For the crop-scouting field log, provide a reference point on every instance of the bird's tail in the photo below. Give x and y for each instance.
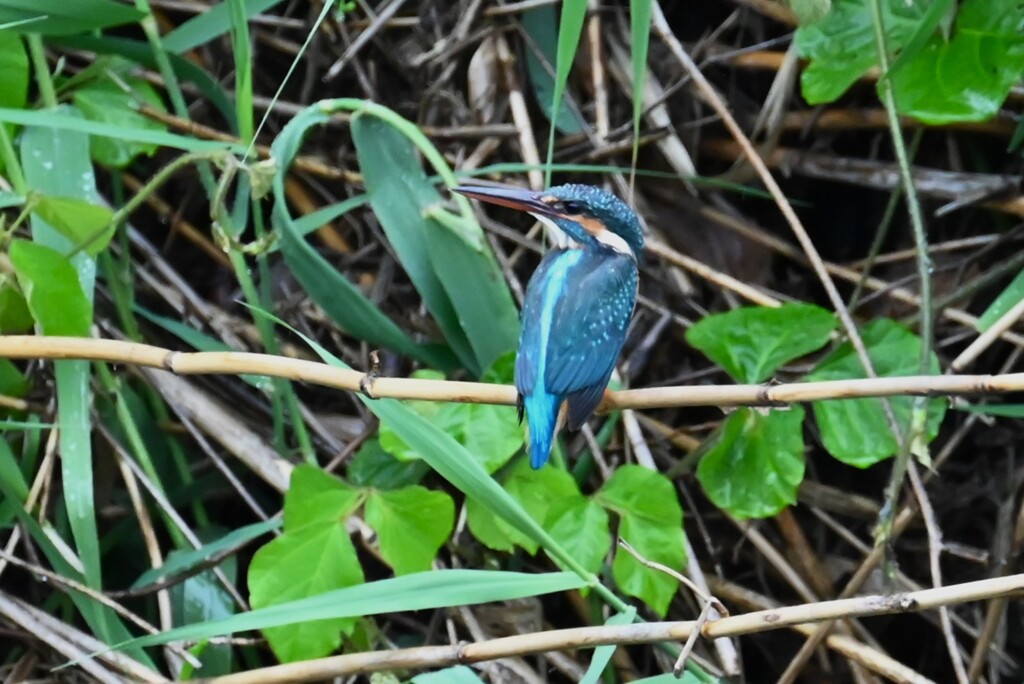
(542, 415)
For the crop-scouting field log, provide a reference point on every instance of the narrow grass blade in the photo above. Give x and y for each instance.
(419, 591)
(183, 561)
(539, 24)
(569, 30)
(61, 122)
(640, 31)
(603, 654)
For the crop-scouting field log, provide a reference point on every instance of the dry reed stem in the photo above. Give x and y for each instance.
(642, 633)
(210, 363)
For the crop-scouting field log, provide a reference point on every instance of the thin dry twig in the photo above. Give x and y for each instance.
(210, 363)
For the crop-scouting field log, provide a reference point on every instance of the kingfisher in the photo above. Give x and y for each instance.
(577, 307)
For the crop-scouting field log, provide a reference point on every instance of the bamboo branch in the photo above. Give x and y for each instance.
(230, 363)
(641, 633)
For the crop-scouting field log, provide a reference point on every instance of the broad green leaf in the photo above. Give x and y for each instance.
(934, 14)
(85, 224)
(537, 491)
(603, 654)
(756, 462)
(1005, 301)
(52, 289)
(651, 521)
(15, 317)
(751, 343)
(317, 498)
(313, 556)
(411, 524)
(67, 16)
(841, 47)
(372, 466)
(446, 257)
(968, 77)
(492, 433)
(856, 431)
(106, 102)
(315, 560)
(420, 591)
(182, 561)
(540, 23)
(580, 525)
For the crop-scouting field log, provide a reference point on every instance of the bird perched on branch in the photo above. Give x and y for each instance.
(578, 304)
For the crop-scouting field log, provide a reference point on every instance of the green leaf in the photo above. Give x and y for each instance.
(580, 525)
(85, 224)
(1006, 300)
(756, 462)
(446, 257)
(372, 466)
(300, 565)
(15, 317)
(12, 382)
(537, 491)
(539, 23)
(841, 47)
(640, 34)
(106, 102)
(313, 556)
(751, 343)
(570, 28)
(411, 524)
(491, 433)
(420, 591)
(52, 289)
(317, 498)
(968, 77)
(651, 521)
(67, 16)
(856, 431)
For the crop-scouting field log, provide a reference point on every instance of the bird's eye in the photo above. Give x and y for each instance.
(572, 207)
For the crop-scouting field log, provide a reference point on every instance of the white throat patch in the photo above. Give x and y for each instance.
(559, 238)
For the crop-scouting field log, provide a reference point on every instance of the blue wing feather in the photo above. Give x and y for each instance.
(575, 317)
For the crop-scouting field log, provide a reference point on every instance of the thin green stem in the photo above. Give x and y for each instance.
(44, 79)
(915, 439)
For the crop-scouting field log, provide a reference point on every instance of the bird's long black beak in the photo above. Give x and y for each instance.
(515, 198)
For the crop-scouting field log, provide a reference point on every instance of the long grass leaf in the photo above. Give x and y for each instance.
(214, 22)
(539, 24)
(640, 32)
(419, 591)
